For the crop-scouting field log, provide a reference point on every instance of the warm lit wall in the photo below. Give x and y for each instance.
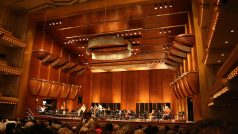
(129, 88)
(41, 71)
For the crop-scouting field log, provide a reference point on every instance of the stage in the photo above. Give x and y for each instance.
(132, 122)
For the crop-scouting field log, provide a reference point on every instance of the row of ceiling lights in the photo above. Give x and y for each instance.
(55, 23)
(165, 31)
(163, 5)
(81, 47)
(129, 34)
(71, 41)
(134, 51)
(156, 61)
(226, 42)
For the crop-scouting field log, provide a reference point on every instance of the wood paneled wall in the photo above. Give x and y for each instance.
(131, 87)
(127, 88)
(41, 71)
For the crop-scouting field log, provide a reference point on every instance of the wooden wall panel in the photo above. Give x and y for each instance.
(63, 77)
(106, 87)
(44, 72)
(124, 90)
(56, 49)
(116, 87)
(129, 88)
(54, 75)
(86, 88)
(96, 86)
(47, 44)
(143, 86)
(156, 89)
(71, 79)
(166, 87)
(38, 40)
(35, 68)
(134, 94)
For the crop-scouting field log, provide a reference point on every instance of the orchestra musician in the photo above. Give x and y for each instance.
(81, 110)
(166, 113)
(152, 115)
(41, 109)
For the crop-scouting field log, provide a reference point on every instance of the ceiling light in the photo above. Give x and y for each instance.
(210, 104)
(160, 6)
(222, 54)
(218, 61)
(220, 92)
(226, 42)
(170, 5)
(156, 7)
(232, 30)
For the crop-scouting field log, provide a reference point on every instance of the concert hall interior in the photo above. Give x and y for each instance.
(151, 60)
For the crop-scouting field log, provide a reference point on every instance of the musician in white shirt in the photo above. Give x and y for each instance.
(82, 110)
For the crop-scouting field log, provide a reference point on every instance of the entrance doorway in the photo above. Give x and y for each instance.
(190, 109)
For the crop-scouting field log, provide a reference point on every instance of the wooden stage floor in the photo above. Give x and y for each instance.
(132, 122)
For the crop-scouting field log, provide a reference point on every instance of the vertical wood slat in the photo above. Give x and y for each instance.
(143, 86)
(116, 87)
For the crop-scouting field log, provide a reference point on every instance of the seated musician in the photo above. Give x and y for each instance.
(81, 110)
(167, 113)
(41, 109)
(127, 114)
(152, 115)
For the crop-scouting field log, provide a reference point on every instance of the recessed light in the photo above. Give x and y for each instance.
(222, 54)
(156, 8)
(218, 61)
(226, 42)
(232, 30)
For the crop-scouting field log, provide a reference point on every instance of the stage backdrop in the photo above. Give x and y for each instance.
(129, 88)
